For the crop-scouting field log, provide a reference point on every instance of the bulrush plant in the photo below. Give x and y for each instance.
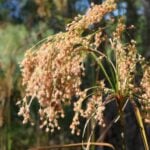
(52, 73)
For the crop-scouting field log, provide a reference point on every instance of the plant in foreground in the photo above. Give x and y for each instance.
(52, 73)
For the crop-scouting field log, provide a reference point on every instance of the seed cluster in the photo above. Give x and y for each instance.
(94, 108)
(126, 60)
(52, 73)
(145, 99)
(53, 70)
(92, 16)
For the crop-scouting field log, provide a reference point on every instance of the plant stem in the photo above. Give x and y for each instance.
(75, 145)
(141, 125)
(103, 69)
(123, 131)
(121, 106)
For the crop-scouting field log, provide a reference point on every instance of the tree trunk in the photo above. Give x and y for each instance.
(146, 4)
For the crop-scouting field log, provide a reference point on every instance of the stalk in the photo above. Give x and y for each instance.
(103, 69)
(101, 144)
(141, 125)
(121, 114)
(123, 129)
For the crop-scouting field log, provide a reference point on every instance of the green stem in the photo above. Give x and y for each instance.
(103, 69)
(114, 78)
(141, 125)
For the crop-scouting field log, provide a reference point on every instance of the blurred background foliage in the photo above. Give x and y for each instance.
(24, 23)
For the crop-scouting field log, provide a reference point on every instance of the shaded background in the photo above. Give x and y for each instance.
(25, 22)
